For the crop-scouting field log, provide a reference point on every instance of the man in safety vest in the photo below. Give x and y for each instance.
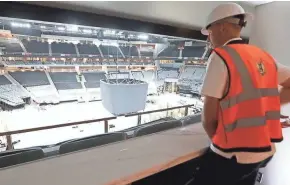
(241, 113)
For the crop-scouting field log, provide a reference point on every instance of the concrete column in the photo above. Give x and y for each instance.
(270, 30)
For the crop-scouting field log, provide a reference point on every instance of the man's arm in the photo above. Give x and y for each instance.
(284, 95)
(213, 89)
(284, 81)
(209, 115)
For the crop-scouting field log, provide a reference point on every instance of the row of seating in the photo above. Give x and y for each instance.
(15, 157)
(40, 47)
(11, 62)
(37, 83)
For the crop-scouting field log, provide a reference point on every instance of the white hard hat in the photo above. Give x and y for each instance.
(223, 11)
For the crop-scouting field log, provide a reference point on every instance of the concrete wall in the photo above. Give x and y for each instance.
(271, 30)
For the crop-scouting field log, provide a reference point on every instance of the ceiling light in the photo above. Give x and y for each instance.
(73, 28)
(143, 37)
(87, 31)
(61, 28)
(22, 25)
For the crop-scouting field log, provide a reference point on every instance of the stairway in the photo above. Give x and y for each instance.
(22, 46)
(121, 52)
(77, 50)
(49, 49)
(51, 83)
(100, 52)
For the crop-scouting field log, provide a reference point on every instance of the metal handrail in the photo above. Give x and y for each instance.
(106, 124)
(159, 110)
(55, 126)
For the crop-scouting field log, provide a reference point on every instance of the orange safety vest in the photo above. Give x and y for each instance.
(249, 113)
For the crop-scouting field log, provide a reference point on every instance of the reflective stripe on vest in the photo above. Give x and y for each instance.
(249, 92)
(253, 121)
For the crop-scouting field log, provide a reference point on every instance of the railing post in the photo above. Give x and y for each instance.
(9, 142)
(106, 126)
(139, 120)
(186, 111)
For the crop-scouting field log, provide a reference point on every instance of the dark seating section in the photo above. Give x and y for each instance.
(129, 51)
(92, 141)
(93, 79)
(30, 78)
(63, 48)
(110, 51)
(88, 49)
(34, 46)
(130, 131)
(65, 80)
(150, 129)
(4, 80)
(170, 51)
(193, 51)
(15, 157)
(146, 54)
(67, 86)
(11, 47)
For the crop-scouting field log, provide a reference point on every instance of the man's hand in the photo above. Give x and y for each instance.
(209, 115)
(286, 123)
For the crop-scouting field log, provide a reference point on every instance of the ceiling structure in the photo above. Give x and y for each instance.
(256, 3)
(185, 14)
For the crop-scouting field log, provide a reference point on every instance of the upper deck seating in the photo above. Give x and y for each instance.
(88, 49)
(110, 51)
(146, 53)
(129, 51)
(34, 46)
(171, 52)
(193, 51)
(63, 48)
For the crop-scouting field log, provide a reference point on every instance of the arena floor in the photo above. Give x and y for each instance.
(34, 116)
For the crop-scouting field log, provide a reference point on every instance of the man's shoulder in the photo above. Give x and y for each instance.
(215, 61)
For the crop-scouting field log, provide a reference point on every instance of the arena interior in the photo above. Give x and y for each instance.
(51, 74)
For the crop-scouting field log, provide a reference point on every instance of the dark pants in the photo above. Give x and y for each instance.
(217, 170)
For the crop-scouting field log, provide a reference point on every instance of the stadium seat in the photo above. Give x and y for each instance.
(89, 142)
(14, 157)
(150, 129)
(35, 46)
(130, 131)
(191, 119)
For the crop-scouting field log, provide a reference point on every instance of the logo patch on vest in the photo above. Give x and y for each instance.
(261, 68)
